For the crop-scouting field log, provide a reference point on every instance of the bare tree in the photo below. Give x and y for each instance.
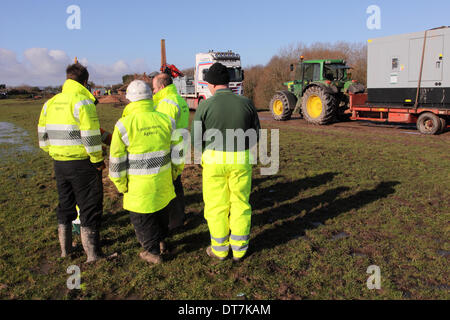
(270, 78)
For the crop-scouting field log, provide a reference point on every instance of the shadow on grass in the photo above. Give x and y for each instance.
(196, 219)
(328, 206)
(193, 198)
(288, 190)
(284, 191)
(318, 209)
(120, 219)
(192, 242)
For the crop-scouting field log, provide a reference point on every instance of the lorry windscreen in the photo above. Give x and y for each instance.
(235, 74)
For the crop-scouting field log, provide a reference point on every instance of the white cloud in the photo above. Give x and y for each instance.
(10, 68)
(42, 67)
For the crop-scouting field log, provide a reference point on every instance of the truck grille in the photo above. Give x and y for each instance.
(236, 90)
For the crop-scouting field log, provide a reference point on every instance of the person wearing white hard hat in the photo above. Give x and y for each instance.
(141, 168)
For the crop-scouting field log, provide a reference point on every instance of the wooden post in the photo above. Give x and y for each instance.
(416, 103)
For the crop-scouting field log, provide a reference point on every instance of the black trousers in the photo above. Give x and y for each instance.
(79, 183)
(177, 206)
(151, 228)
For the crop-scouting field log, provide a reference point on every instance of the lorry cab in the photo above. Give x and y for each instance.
(195, 89)
(229, 59)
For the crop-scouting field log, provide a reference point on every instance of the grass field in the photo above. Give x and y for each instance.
(342, 200)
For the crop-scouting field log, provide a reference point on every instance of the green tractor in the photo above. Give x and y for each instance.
(319, 92)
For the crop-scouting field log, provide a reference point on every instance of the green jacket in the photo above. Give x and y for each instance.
(225, 110)
(68, 127)
(140, 158)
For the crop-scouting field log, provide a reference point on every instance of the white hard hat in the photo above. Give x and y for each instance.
(138, 90)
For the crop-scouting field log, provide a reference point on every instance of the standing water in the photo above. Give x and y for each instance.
(12, 140)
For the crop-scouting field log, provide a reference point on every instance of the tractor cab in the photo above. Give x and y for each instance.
(328, 72)
(335, 72)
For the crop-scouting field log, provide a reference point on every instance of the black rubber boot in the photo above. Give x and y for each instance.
(90, 239)
(65, 239)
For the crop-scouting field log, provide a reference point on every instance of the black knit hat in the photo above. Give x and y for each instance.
(217, 74)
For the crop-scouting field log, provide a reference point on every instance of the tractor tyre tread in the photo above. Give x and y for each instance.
(288, 100)
(329, 104)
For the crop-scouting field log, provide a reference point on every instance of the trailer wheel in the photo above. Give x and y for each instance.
(319, 106)
(429, 123)
(282, 104)
(443, 124)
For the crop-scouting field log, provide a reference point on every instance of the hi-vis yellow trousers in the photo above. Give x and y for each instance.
(226, 193)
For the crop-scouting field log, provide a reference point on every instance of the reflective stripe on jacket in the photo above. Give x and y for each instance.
(169, 102)
(68, 127)
(140, 158)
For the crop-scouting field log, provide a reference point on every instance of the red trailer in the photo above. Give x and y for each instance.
(428, 120)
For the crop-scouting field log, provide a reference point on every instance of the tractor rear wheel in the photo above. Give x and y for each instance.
(429, 123)
(319, 106)
(282, 105)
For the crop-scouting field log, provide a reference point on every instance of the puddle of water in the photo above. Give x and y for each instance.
(358, 254)
(341, 235)
(443, 253)
(13, 137)
(408, 132)
(316, 224)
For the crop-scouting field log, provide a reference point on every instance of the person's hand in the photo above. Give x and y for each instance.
(99, 166)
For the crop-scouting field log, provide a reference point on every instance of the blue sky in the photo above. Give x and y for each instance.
(121, 36)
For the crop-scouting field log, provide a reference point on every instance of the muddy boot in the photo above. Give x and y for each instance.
(150, 257)
(90, 239)
(65, 239)
(212, 255)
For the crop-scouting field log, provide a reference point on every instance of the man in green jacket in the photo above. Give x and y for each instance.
(69, 130)
(168, 101)
(226, 162)
(141, 168)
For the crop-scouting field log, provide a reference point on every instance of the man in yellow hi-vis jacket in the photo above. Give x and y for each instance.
(168, 101)
(141, 168)
(69, 131)
(227, 170)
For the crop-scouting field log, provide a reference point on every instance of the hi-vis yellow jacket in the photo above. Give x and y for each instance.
(169, 102)
(140, 158)
(68, 127)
